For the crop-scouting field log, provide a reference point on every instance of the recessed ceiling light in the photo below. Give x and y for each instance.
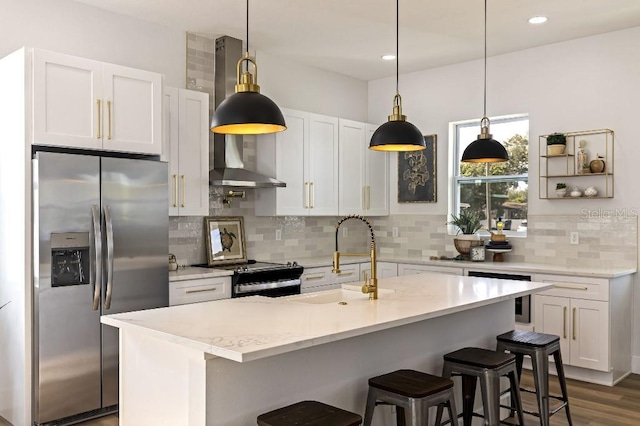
(538, 20)
(388, 57)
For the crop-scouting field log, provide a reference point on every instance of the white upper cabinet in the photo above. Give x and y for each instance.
(364, 174)
(305, 157)
(187, 132)
(81, 103)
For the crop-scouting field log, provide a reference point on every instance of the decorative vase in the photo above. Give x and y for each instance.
(556, 149)
(597, 165)
(464, 242)
(575, 192)
(561, 192)
(590, 192)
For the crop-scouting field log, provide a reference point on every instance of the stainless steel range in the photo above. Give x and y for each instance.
(265, 279)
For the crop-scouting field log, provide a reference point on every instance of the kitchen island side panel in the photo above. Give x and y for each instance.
(166, 383)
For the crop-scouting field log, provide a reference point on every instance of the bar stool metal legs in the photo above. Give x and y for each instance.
(488, 367)
(538, 346)
(412, 392)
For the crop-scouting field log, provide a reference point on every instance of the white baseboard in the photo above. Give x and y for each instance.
(635, 364)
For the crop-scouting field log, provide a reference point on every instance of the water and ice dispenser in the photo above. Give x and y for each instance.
(70, 253)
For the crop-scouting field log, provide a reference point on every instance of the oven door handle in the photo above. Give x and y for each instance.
(250, 288)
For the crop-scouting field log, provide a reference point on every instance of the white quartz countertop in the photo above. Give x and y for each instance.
(582, 270)
(249, 328)
(196, 273)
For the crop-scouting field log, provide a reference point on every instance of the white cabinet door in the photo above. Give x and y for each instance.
(132, 110)
(353, 188)
(384, 270)
(552, 316)
(364, 174)
(377, 178)
(66, 96)
(199, 290)
(291, 160)
(187, 129)
(322, 175)
(80, 103)
(590, 334)
(316, 279)
(583, 327)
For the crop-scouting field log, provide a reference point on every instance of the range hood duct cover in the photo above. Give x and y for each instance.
(228, 166)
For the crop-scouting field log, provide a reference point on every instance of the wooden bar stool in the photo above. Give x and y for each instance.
(487, 366)
(410, 391)
(539, 347)
(309, 413)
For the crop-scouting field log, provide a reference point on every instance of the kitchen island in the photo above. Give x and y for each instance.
(226, 362)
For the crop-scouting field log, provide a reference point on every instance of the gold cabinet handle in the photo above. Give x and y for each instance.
(99, 133)
(347, 273)
(109, 120)
(183, 189)
(571, 287)
(368, 197)
(202, 290)
(314, 277)
(312, 191)
(175, 190)
(574, 323)
(364, 198)
(306, 195)
(564, 322)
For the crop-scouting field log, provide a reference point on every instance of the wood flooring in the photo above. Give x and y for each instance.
(591, 405)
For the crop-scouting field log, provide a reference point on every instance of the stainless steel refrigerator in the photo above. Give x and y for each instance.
(101, 246)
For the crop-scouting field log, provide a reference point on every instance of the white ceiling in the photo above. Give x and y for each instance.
(349, 36)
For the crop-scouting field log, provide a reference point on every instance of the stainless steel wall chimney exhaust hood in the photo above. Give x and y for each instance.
(228, 166)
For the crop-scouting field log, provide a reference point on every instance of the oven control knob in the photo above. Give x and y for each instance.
(289, 265)
(294, 264)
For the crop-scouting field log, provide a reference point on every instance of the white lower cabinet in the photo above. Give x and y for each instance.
(383, 269)
(199, 290)
(320, 279)
(592, 316)
(408, 269)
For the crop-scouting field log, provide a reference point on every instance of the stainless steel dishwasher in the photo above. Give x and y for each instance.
(523, 304)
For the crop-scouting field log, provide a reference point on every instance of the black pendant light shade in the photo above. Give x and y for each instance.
(247, 113)
(397, 134)
(485, 149)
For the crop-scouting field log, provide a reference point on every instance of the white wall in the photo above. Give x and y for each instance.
(296, 86)
(585, 84)
(68, 27)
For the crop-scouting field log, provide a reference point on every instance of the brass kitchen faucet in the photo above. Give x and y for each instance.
(370, 287)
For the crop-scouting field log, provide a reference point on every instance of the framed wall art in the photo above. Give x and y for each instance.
(225, 240)
(417, 174)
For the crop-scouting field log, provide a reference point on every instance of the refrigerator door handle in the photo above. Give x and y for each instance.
(109, 230)
(96, 263)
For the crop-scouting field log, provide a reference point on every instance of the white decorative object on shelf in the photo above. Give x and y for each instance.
(590, 192)
(575, 192)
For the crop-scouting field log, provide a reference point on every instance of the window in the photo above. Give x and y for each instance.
(498, 190)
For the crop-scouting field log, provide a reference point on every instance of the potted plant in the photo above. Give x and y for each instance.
(556, 143)
(468, 223)
(561, 189)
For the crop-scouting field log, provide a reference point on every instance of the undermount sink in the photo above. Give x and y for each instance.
(346, 294)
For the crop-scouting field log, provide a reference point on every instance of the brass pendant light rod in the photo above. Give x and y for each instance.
(247, 112)
(485, 149)
(397, 134)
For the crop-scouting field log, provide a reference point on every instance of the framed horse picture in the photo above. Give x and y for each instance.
(225, 240)
(417, 174)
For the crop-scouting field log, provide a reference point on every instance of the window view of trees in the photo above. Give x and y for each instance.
(498, 190)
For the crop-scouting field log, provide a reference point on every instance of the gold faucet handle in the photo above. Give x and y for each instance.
(365, 286)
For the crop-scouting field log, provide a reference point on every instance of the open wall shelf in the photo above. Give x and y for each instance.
(564, 168)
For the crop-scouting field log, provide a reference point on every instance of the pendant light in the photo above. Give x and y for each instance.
(247, 112)
(397, 134)
(485, 149)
